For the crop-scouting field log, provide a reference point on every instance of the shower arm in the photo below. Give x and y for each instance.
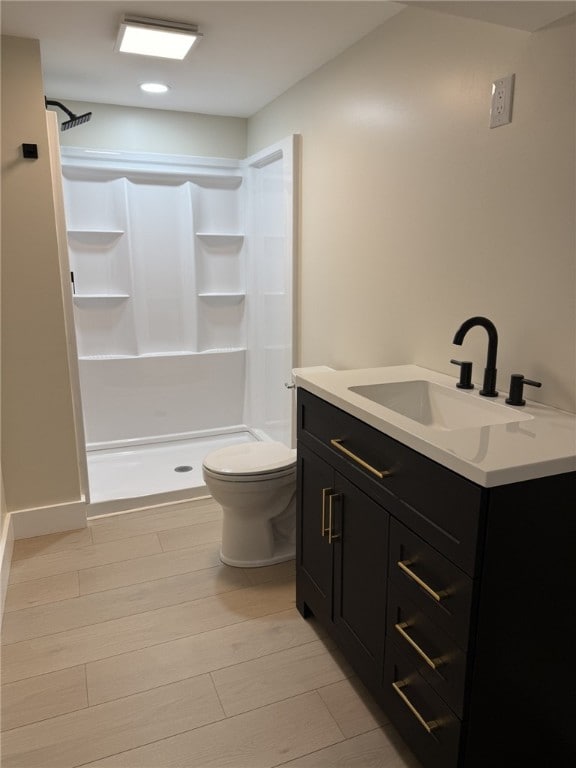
(74, 119)
(52, 103)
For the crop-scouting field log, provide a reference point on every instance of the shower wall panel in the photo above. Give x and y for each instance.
(219, 206)
(100, 263)
(270, 222)
(161, 236)
(157, 253)
(165, 395)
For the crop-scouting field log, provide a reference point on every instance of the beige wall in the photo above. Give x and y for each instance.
(3, 508)
(415, 215)
(154, 130)
(38, 439)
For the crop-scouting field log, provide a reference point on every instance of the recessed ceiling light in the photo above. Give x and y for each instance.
(154, 87)
(156, 37)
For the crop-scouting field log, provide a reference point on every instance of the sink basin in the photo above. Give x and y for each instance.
(437, 406)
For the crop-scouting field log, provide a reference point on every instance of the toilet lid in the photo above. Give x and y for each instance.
(250, 458)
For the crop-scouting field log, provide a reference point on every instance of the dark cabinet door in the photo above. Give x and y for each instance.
(314, 554)
(360, 540)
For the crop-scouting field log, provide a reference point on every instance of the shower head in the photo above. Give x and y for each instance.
(74, 119)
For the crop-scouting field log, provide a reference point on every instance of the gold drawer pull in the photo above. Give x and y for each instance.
(337, 443)
(438, 596)
(401, 629)
(428, 725)
(325, 492)
(331, 536)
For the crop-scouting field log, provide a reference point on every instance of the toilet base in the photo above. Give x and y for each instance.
(282, 553)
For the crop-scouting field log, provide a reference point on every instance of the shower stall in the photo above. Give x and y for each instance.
(182, 287)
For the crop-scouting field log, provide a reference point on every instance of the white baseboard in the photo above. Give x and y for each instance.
(6, 547)
(40, 520)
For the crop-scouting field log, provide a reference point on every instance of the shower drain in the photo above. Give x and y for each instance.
(183, 468)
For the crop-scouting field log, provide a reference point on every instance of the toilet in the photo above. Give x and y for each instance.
(255, 484)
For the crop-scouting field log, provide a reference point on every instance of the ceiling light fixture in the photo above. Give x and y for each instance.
(156, 37)
(154, 87)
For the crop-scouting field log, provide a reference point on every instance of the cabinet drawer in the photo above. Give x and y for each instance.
(425, 722)
(432, 652)
(443, 507)
(434, 584)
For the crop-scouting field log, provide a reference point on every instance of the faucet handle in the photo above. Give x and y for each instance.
(465, 374)
(517, 382)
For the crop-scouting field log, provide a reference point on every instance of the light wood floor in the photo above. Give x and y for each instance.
(130, 644)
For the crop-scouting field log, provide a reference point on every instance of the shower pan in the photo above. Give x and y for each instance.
(182, 282)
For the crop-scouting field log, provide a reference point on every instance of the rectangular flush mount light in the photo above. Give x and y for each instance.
(156, 37)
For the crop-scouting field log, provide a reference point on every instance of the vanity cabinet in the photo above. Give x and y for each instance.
(453, 602)
(343, 555)
(315, 554)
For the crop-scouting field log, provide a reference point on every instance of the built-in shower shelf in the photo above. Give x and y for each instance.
(166, 355)
(213, 181)
(220, 350)
(224, 237)
(107, 357)
(222, 295)
(101, 296)
(95, 236)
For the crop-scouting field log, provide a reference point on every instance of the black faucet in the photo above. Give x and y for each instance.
(517, 382)
(489, 386)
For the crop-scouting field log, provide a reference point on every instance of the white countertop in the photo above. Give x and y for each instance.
(539, 446)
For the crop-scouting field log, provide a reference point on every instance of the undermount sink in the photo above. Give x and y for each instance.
(438, 407)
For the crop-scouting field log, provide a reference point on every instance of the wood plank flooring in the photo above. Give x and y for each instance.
(130, 644)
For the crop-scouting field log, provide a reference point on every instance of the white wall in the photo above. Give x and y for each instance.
(416, 216)
(154, 130)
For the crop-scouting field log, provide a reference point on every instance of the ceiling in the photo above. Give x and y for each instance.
(250, 53)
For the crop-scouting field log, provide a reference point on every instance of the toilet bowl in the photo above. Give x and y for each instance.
(255, 484)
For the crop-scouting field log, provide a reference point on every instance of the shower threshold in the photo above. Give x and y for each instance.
(147, 474)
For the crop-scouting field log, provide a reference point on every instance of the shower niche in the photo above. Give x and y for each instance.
(181, 274)
(220, 263)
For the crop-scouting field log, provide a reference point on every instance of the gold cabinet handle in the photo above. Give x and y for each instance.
(428, 725)
(331, 536)
(337, 443)
(401, 628)
(325, 492)
(438, 596)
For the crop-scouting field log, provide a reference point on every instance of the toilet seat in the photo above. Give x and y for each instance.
(254, 479)
(251, 461)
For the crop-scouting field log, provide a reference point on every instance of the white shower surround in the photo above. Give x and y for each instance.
(130, 400)
(183, 302)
